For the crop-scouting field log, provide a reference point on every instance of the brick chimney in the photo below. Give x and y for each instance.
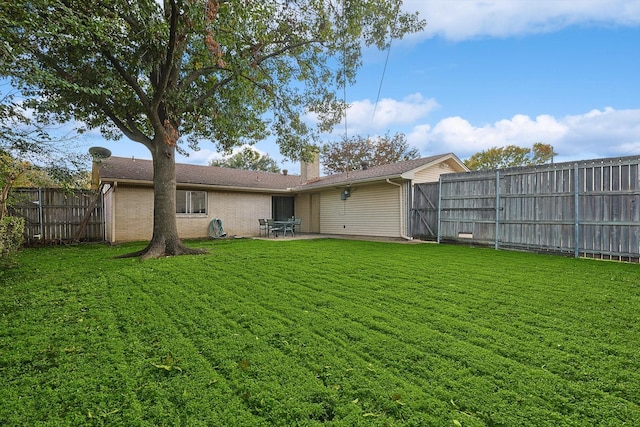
(310, 171)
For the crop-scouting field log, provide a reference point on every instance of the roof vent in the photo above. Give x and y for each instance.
(285, 172)
(364, 165)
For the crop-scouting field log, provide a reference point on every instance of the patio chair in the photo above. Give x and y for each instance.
(264, 227)
(273, 229)
(291, 227)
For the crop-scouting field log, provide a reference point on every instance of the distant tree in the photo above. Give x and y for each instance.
(542, 153)
(511, 156)
(350, 153)
(248, 159)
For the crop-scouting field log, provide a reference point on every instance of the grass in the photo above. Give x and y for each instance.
(311, 332)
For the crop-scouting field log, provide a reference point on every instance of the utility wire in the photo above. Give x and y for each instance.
(344, 66)
(344, 76)
(384, 69)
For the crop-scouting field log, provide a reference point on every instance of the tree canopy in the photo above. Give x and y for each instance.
(351, 153)
(173, 72)
(248, 159)
(511, 156)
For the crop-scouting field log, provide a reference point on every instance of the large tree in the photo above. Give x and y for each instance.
(248, 159)
(351, 153)
(230, 71)
(511, 156)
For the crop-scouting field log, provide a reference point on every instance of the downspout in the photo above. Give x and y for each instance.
(113, 213)
(404, 236)
(103, 214)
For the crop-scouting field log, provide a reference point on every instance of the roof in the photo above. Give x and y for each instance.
(138, 171)
(404, 169)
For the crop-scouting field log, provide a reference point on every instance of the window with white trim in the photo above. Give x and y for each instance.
(191, 202)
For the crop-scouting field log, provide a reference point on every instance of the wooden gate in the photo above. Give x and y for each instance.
(424, 214)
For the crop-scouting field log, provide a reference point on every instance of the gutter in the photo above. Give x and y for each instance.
(210, 187)
(334, 184)
(404, 236)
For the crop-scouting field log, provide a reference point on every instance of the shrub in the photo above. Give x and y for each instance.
(11, 235)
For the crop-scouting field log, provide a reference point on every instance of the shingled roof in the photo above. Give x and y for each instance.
(392, 170)
(138, 171)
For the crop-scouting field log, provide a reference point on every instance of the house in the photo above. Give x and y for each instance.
(373, 201)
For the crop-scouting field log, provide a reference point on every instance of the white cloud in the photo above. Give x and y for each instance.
(597, 133)
(204, 156)
(201, 157)
(465, 19)
(365, 117)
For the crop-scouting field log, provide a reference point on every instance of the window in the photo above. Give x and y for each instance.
(191, 202)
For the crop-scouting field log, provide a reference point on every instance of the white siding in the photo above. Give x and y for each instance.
(372, 210)
(433, 173)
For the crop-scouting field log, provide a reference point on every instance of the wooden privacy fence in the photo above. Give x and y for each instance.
(54, 215)
(589, 208)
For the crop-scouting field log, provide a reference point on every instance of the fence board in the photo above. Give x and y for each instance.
(589, 208)
(55, 215)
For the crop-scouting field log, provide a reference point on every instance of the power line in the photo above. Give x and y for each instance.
(384, 69)
(344, 67)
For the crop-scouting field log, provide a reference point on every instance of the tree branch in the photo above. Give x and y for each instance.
(193, 76)
(284, 49)
(133, 83)
(51, 63)
(198, 102)
(256, 63)
(130, 130)
(168, 68)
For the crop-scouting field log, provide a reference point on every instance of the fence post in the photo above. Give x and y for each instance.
(41, 215)
(439, 206)
(576, 210)
(497, 243)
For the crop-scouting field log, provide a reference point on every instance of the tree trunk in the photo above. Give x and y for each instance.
(165, 240)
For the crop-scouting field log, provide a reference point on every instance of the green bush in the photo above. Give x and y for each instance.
(11, 235)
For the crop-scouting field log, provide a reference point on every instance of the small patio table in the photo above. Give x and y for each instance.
(276, 226)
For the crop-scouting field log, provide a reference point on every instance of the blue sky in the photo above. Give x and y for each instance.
(492, 73)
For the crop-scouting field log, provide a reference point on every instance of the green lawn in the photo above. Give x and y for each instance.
(314, 332)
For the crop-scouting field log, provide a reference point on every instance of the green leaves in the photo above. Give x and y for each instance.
(248, 159)
(231, 72)
(511, 156)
